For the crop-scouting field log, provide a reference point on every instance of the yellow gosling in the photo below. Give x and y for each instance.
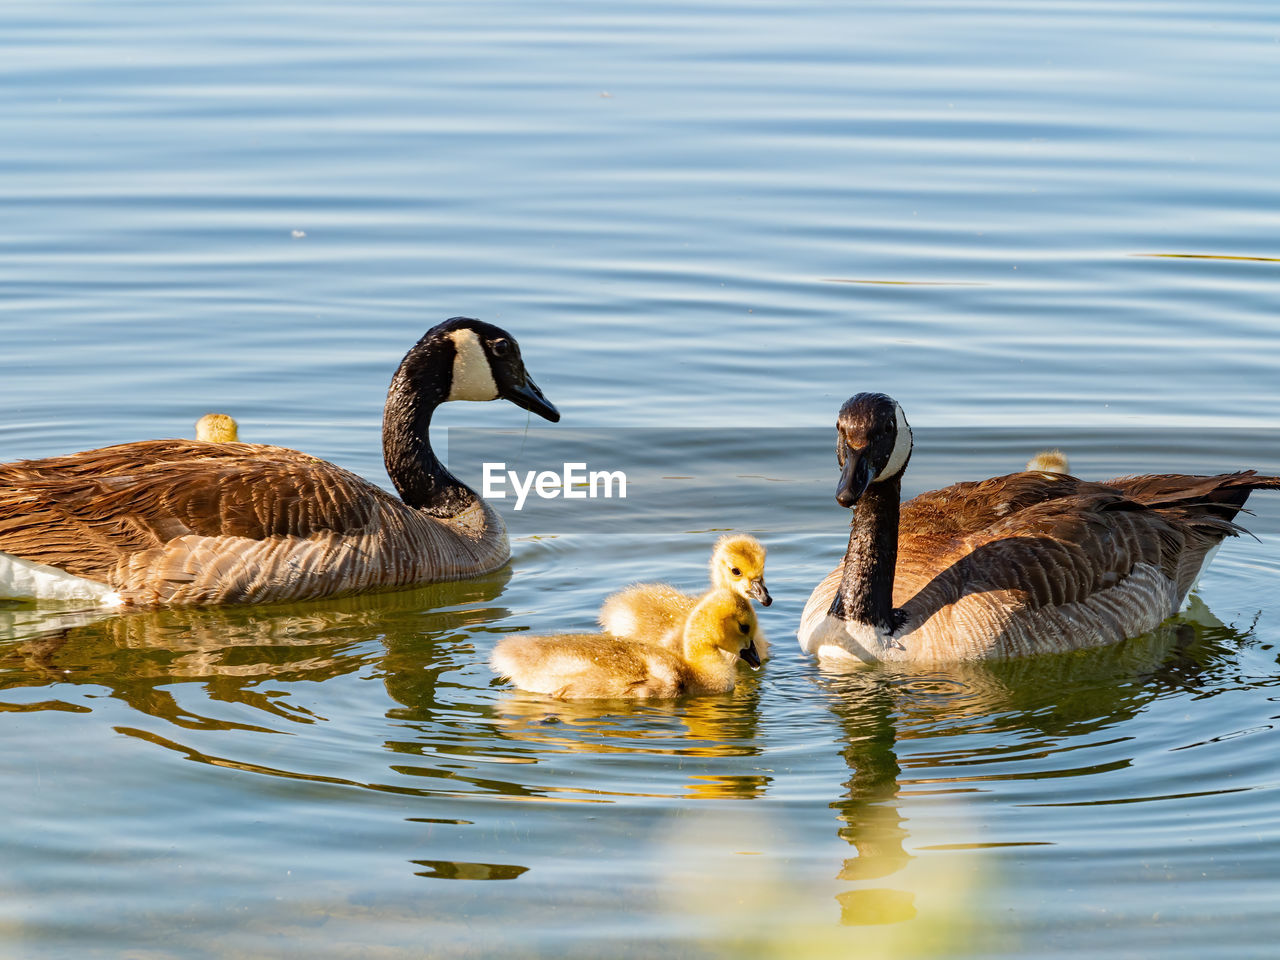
(217, 428)
(720, 631)
(1049, 461)
(655, 613)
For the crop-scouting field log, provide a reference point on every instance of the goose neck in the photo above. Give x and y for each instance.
(419, 477)
(866, 589)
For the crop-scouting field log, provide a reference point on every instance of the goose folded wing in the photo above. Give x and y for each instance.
(128, 458)
(1054, 553)
(970, 508)
(1221, 496)
(85, 524)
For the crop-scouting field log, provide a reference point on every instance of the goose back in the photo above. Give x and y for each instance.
(180, 522)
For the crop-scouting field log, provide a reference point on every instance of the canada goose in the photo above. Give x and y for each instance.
(1025, 563)
(217, 428)
(656, 612)
(191, 522)
(719, 632)
(1049, 461)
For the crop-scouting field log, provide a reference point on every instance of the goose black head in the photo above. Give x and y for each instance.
(486, 365)
(873, 443)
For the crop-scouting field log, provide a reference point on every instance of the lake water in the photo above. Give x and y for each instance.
(708, 223)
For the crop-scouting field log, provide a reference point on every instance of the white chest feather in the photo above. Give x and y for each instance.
(35, 581)
(472, 376)
(831, 638)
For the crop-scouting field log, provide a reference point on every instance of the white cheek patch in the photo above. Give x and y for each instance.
(901, 447)
(472, 376)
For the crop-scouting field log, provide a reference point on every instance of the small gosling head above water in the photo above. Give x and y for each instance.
(737, 564)
(724, 621)
(1049, 461)
(217, 428)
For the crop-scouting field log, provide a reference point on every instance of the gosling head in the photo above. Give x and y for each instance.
(468, 359)
(1049, 461)
(737, 564)
(217, 428)
(873, 444)
(725, 622)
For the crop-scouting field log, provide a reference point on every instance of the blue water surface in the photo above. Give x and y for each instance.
(1034, 224)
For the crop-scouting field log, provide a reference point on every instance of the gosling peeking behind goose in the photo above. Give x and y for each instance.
(191, 522)
(1049, 461)
(217, 428)
(656, 612)
(1019, 564)
(720, 631)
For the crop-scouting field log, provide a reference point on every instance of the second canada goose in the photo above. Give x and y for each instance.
(719, 632)
(1019, 564)
(217, 428)
(1049, 461)
(191, 522)
(656, 612)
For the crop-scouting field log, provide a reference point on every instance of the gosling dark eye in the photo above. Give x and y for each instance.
(745, 628)
(735, 571)
(500, 348)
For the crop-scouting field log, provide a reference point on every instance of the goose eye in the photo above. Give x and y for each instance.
(501, 348)
(735, 571)
(745, 628)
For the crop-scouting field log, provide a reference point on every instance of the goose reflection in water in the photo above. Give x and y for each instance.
(926, 736)
(144, 658)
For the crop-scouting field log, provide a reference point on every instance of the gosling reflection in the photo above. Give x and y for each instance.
(699, 728)
(896, 721)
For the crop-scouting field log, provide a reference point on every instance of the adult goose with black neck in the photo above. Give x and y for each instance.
(191, 522)
(1013, 565)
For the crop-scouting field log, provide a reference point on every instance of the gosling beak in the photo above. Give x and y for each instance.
(760, 592)
(854, 478)
(749, 654)
(528, 396)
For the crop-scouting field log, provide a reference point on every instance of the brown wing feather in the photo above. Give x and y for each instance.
(1049, 554)
(963, 509)
(1222, 495)
(1058, 538)
(1051, 540)
(125, 458)
(85, 512)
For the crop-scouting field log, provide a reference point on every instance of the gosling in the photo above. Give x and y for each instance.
(720, 631)
(1049, 461)
(655, 613)
(217, 428)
